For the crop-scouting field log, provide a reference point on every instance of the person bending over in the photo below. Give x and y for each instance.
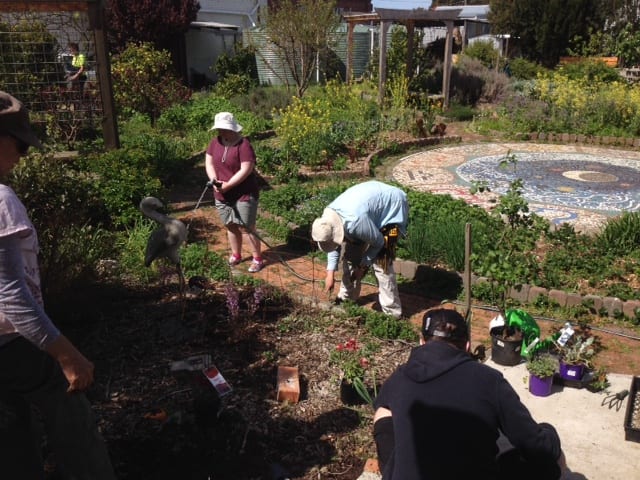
(366, 221)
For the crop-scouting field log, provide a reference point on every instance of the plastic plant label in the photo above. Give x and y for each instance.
(217, 380)
(192, 364)
(565, 334)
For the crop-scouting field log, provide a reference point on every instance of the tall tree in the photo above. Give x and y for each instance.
(301, 34)
(156, 21)
(544, 30)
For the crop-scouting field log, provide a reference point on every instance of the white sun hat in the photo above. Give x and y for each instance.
(328, 230)
(226, 121)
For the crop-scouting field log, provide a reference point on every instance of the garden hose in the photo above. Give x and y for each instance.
(253, 232)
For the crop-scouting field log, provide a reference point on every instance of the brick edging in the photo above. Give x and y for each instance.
(628, 142)
(402, 146)
(530, 293)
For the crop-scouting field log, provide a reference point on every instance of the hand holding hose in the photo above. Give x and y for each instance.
(214, 183)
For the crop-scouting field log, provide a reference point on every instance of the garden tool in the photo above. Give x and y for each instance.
(615, 399)
(390, 234)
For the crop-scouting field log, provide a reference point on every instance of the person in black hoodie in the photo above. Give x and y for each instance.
(443, 415)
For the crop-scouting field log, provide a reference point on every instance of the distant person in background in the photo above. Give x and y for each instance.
(39, 367)
(76, 69)
(230, 163)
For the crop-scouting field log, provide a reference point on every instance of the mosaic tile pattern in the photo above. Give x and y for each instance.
(579, 184)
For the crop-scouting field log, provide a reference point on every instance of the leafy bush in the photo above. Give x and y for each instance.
(621, 235)
(198, 114)
(144, 81)
(589, 70)
(485, 52)
(69, 217)
(123, 177)
(263, 101)
(233, 85)
(472, 81)
(198, 260)
(242, 63)
(167, 157)
(523, 69)
(459, 113)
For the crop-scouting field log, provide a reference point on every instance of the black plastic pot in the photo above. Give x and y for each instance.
(505, 350)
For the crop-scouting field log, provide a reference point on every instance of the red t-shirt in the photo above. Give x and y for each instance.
(226, 161)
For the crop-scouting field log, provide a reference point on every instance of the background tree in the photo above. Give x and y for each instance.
(301, 32)
(156, 21)
(543, 30)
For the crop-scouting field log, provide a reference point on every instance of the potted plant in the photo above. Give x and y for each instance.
(541, 369)
(575, 357)
(510, 263)
(354, 362)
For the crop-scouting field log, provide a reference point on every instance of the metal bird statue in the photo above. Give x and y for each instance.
(166, 240)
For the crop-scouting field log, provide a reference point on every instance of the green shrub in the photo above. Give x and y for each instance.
(459, 113)
(123, 177)
(522, 69)
(242, 63)
(233, 85)
(485, 52)
(198, 260)
(167, 157)
(144, 81)
(68, 214)
(590, 70)
(263, 101)
(621, 235)
(434, 241)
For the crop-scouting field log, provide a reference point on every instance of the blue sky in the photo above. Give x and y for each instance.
(401, 4)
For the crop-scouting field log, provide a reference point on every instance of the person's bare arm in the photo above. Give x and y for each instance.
(75, 366)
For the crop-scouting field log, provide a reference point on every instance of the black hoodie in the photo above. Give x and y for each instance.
(448, 411)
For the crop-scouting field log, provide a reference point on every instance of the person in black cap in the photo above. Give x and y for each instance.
(39, 367)
(443, 415)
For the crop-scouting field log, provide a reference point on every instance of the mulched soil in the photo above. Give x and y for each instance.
(166, 425)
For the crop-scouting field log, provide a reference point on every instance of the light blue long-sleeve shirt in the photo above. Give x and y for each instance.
(366, 208)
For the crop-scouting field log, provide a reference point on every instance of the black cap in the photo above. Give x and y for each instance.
(444, 323)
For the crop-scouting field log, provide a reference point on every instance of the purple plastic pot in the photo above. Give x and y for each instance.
(540, 387)
(571, 372)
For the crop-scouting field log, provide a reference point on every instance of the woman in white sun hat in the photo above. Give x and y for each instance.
(230, 163)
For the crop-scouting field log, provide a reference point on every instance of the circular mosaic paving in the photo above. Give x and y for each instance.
(564, 183)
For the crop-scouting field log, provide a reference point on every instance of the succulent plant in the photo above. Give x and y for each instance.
(542, 366)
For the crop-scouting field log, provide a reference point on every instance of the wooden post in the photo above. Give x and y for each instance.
(467, 271)
(446, 74)
(382, 64)
(410, 46)
(109, 120)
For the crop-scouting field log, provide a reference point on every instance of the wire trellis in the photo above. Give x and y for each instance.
(35, 63)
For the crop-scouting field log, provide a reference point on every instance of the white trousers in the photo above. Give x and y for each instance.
(388, 294)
